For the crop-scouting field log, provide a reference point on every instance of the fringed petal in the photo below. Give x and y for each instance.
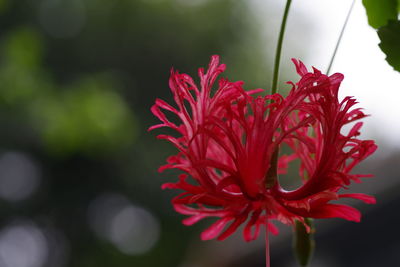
(253, 222)
(227, 140)
(363, 197)
(300, 67)
(272, 228)
(215, 229)
(232, 227)
(336, 211)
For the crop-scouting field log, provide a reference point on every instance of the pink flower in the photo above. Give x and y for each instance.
(228, 142)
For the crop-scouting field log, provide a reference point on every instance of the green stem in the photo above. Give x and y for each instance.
(304, 243)
(279, 48)
(340, 38)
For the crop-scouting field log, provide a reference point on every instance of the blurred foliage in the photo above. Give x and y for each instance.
(85, 116)
(3, 5)
(383, 15)
(77, 82)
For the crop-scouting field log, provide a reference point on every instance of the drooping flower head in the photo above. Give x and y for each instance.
(229, 142)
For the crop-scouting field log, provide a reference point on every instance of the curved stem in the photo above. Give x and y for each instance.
(340, 38)
(279, 48)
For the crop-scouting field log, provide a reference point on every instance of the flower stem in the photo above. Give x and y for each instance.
(274, 90)
(279, 48)
(340, 38)
(267, 261)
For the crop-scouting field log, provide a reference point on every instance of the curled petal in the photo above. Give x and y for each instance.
(300, 67)
(336, 211)
(215, 229)
(272, 228)
(366, 198)
(232, 227)
(254, 221)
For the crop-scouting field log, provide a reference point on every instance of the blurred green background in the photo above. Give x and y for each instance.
(78, 170)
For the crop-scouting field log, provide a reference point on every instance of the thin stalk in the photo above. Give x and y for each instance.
(340, 38)
(267, 261)
(273, 91)
(279, 48)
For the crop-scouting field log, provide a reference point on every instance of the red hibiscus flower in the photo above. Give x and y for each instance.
(229, 142)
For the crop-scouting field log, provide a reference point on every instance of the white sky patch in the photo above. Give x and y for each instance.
(368, 77)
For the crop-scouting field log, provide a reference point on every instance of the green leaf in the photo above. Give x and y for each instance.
(304, 241)
(379, 12)
(390, 43)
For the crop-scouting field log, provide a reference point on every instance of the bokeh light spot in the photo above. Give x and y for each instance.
(132, 229)
(19, 176)
(22, 245)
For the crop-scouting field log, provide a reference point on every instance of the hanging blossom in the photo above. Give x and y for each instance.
(229, 143)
